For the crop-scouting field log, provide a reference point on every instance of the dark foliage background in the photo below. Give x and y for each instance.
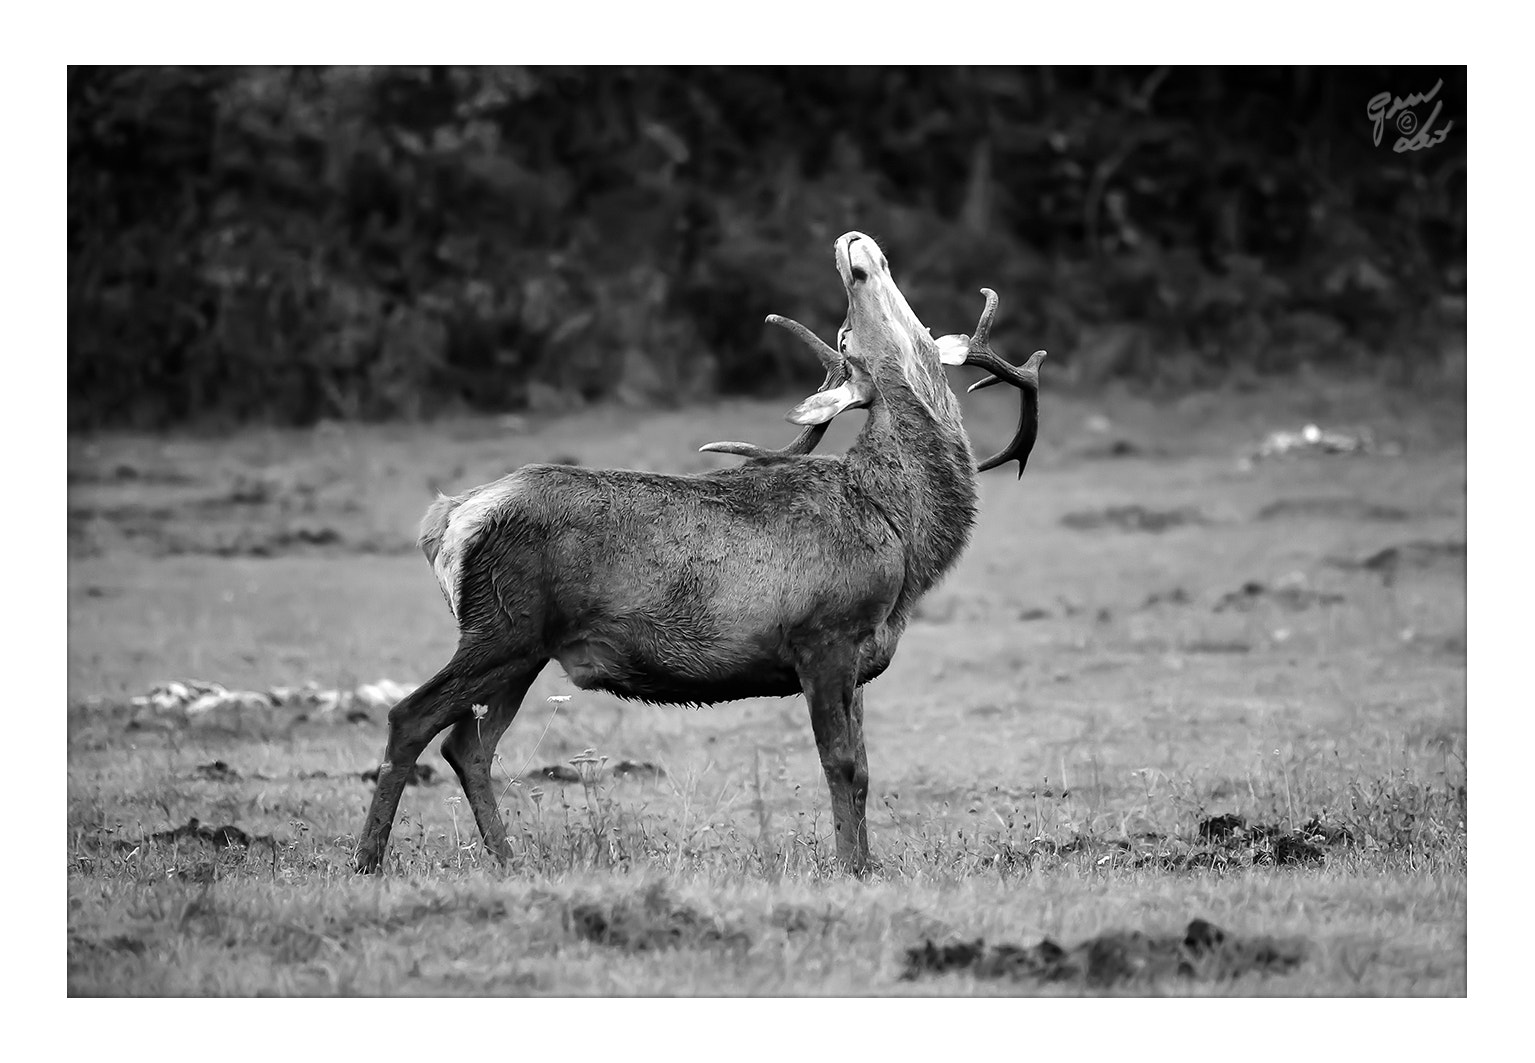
(291, 244)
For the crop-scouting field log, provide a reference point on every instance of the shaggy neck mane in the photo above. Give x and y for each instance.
(915, 459)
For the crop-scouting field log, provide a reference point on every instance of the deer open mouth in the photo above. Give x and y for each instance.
(847, 263)
(974, 350)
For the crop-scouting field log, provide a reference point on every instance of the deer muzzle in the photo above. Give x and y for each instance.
(859, 260)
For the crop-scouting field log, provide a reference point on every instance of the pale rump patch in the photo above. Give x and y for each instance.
(463, 526)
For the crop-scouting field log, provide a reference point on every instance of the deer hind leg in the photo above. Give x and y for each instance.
(836, 717)
(471, 747)
(475, 675)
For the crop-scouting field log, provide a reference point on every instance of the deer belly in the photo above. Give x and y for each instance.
(673, 675)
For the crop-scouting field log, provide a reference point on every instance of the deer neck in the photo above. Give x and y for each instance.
(915, 461)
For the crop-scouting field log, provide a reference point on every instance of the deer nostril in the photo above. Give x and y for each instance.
(860, 274)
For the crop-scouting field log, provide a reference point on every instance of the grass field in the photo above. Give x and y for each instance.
(1147, 634)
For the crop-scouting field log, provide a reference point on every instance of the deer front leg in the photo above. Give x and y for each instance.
(836, 717)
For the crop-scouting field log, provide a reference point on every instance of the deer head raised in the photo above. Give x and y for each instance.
(881, 330)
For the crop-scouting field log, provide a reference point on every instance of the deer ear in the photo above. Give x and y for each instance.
(824, 405)
(952, 349)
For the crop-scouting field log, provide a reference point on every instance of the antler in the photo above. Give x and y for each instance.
(810, 435)
(1024, 377)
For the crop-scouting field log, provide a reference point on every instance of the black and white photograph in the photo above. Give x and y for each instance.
(845, 531)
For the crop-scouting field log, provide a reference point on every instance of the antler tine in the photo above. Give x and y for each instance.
(1027, 382)
(810, 435)
(830, 360)
(1025, 378)
(803, 443)
(982, 339)
(982, 335)
(1020, 375)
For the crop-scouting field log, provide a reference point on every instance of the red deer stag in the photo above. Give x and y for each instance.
(794, 573)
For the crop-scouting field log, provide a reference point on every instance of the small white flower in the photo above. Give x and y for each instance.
(479, 711)
(558, 699)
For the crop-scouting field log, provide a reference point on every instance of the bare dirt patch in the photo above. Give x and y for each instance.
(1292, 596)
(1392, 561)
(655, 921)
(218, 837)
(1203, 952)
(125, 473)
(638, 769)
(1225, 842)
(1175, 596)
(217, 771)
(247, 513)
(1134, 518)
(1332, 509)
(1218, 646)
(116, 944)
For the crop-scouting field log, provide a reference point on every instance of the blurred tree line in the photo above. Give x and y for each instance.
(290, 244)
